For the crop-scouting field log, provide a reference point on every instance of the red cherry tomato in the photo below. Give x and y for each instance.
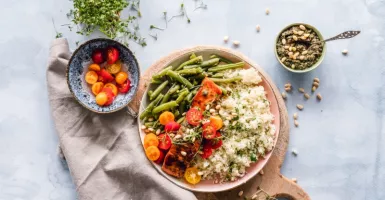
(160, 159)
(171, 126)
(194, 116)
(110, 96)
(98, 56)
(112, 55)
(207, 151)
(125, 87)
(164, 142)
(216, 142)
(106, 77)
(209, 131)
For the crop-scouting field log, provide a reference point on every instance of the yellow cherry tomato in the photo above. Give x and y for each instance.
(112, 87)
(91, 77)
(216, 121)
(114, 68)
(166, 117)
(121, 77)
(152, 153)
(97, 88)
(191, 175)
(150, 140)
(101, 98)
(94, 67)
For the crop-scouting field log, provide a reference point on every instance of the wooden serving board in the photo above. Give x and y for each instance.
(271, 183)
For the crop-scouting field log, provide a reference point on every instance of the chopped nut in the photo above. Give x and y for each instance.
(294, 152)
(151, 129)
(183, 153)
(295, 115)
(157, 132)
(316, 80)
(143, 127)
(315, 84)
(302, 27)
(284, 95)
(283, 41)
(301, 90)
(218, 107)
(236, 43)
(296, 123)
(267, 11)
(345, 51)
(299, 106)
(306, 95)
(258, 27)
(319, 97)
(294, 180)
(313, 88)
(261, 172)
(240, 193)
(226, 39)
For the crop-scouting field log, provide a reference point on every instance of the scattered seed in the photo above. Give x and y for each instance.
(183, 153)
(151, 129)
(143, 127)
(319, 97)
(240, 193)
(345, 51)
(294, 180)
(261, 172)
(284, 95)
(301, 90)
(306, 95)
(283, 41)
(294, 152)
(296, 123)
(267, 11)
(236, 42)
(300, 107)
(295, 115)
(157, 132)
(258, 27)
(218, 107)
(315, 84)
(302, 27)
(313, 88)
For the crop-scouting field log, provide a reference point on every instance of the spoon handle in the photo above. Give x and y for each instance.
(344, 35)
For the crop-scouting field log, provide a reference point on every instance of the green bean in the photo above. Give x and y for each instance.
(217, 75)
(195, 60)
(148, 124)
(171, 91)
(198, 77)
(161, 73)
(224, 91)
(191, 71)
(182, 90)
(164, 106)
(193, 56)
(151, 106)
(213, 56)
(189, 97)
(181, 96)
(195, 82)
(182, 107)
(180, 120)
(158, 90)
(226, 80)
(179, 78)
(191, 66)
(226, 67)
(176, 113)
(222, 59)
(156, 81)
(149, 92)
(210, 62)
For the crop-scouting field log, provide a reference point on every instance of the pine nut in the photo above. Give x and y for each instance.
(283, 41)
(240, 193)
(300, 32)
(296, 123)
(218, 107)
(301, 90)
(302, 57)
(143, 127)
(157, 132)
(283, 59)
(236, 43)
(212, 110)
(267, 11)
(304, 52)
(300, 107)
(306, 35)
(306, 95)
(295, 115)
(150, 119)
(226, 39)
(313, 88)
(294, 180)
(258, 27)
(315, 84)
(183, 153)
(286, 47)
(177, 137)
(292, 66)
(294, 49)
(345, 51)
(302, 27)
(288, 85)
(290, 48)
(284, 95)
(296, 54)
(294, 152)
(151, 129)
(287, 89)
(319, 97)
(295, 38)
(290, 53)
(316, 80)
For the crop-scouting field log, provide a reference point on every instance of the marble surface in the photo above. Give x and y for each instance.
(339, 141)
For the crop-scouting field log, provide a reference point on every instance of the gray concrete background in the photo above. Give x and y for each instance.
(340, 140)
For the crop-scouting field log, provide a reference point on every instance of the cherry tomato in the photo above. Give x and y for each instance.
(91, 77)
(152, 153)
(113, 88)
(207, 151)
(110, 96)
(191, 175)
(209, 131)
(121, 77)
(194, 116)
(161, 158)
(97, 88)
(164, 142)
(166, 117)
(171, 126)
(114, 68)
(112, 55)
(106, 76)
(101, 99)
(216, 142)
(125, 87)
(94, 67)
(98, 56)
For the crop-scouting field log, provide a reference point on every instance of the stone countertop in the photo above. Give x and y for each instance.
(339, 140)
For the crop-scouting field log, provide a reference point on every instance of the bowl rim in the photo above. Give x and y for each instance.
(315, 65)
(70, 61)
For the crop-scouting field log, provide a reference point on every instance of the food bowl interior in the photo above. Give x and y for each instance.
(208, 185)
(315, 64)
(78, 64)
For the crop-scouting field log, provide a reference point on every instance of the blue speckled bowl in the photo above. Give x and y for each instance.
(75, 74)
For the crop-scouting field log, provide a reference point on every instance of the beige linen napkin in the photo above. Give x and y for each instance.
(103, 152)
